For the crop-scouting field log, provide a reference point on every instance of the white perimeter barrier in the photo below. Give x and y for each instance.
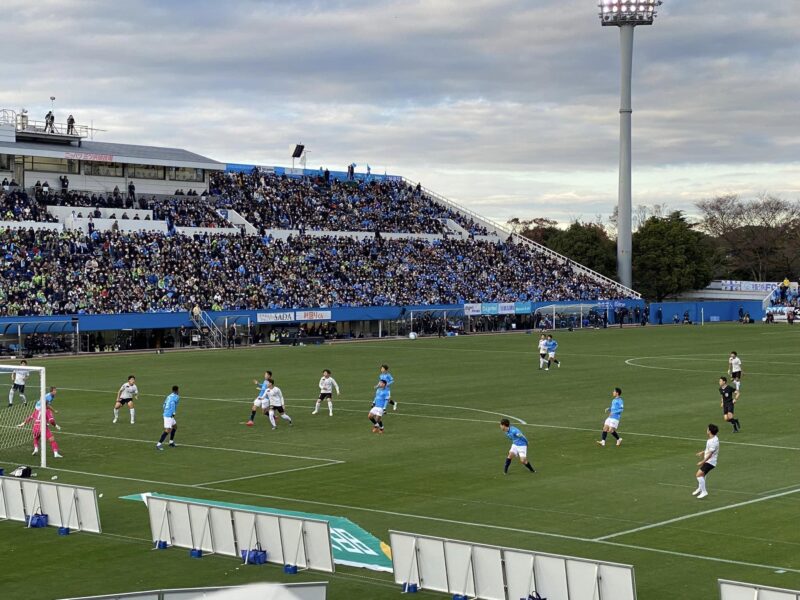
(65, 505)
(496, 573)
(304, 543)
(259, 591)
(734, 590)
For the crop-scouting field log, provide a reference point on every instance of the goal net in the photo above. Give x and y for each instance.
(571, 316)
(21, 388)
(432, 322)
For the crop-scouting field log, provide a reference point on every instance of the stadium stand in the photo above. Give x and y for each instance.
(17, 205)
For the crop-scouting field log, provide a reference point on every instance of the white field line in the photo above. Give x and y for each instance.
(270, 474)
(716, 489)
(108, 437)
(697, 514)
(721, 370)
(449, 521)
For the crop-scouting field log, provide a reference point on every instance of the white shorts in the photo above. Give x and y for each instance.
(612, 423)
(521, 451)
(378, 412)
(261, 402)
(169, 422)
(551, 354)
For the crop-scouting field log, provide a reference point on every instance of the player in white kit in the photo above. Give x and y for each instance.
(708, 460)
(326, 385)
(543, 363)
(19, 377)
(276, 404)
(128, 392)
(735, 370)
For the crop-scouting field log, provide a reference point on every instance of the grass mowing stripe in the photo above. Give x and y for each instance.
(697, 514)
(270, 474)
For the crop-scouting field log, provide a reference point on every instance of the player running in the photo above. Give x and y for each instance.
(276, 404)
(127, 393)
(379, 406)
(735, 370)
(543, 363)
(612, 422)
(170, 424)
(19, 377)
(551, 352)
(261, 401)
(708, 462)
(326, 385)
(36, 417)
(519, 446)
(728, 397)
(386, 377)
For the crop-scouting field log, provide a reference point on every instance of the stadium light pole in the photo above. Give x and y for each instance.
(626, 14)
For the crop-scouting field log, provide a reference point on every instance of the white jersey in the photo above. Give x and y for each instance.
(20, 377)
(542, 346)
(275, 396)
(326, 385)
(712, 450)
(735, 363)
(128, 390)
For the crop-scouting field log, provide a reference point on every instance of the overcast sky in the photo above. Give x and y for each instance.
(506, 106)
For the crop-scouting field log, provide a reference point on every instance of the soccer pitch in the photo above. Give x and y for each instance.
(438, 470)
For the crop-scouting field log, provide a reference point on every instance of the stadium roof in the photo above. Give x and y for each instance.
(120, 153)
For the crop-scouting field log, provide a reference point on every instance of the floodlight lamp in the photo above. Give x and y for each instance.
(627, 12)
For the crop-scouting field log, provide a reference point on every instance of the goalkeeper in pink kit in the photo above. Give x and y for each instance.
(36, 417)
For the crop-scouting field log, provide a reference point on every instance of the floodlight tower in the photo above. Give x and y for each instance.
(626, 14)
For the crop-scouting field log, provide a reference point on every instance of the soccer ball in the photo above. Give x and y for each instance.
(412, 336)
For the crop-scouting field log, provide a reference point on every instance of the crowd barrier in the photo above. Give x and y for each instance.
(261, 591)
(66, 506)
(735, 590)
(468, 570)
(290, 541)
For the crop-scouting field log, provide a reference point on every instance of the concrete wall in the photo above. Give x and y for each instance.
(30, 225)
(124, 225)
(92, 183)
(65, 212)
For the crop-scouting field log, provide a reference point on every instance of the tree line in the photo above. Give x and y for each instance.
(756, 239)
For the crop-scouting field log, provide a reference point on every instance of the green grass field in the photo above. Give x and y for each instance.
(438, 468)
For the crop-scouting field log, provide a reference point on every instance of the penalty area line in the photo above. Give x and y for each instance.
(270, 474)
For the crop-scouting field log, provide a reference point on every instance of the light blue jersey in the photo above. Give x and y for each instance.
(262, 391)
(381, 398)
(171, 405)
(516, 436)
(387, 377)
(616, 408)
(48, 398)
(552, 345)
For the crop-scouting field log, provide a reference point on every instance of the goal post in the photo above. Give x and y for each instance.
(572, 316)
(18, 407)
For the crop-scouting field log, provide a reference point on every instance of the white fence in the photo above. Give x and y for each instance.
(304, 543)
(496, 573)
(260, 591)
(65, 505)
(41, 225)
(735, 590)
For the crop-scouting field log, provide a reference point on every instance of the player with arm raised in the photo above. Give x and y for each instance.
(276, 404)
(386, 377)
(326, 385)
(128, 392)
(19, 378)
(519, 446)
(170, 407)
(36, 417)
(261, 401)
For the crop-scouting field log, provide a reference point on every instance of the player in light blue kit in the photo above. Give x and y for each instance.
(379, 407)
(170, 425)
(614, 414)
(551, 352)
(262, 400)
(519, 446)
(387, 377)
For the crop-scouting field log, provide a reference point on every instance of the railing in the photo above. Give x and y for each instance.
(215, 334)
(522, 239)
(22, 122)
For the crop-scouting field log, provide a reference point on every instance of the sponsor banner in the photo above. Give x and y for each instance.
(506, 308)
(729, 285)
(89, 156)
(352, 545)
(490, 308)
(313, 315)
(523, 308)
(278, 317)
(472, 310)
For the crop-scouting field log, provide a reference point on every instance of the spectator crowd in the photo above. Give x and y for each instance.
(48, 272)
(269, 201)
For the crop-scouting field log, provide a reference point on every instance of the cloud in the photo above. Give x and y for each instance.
(509, 106)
